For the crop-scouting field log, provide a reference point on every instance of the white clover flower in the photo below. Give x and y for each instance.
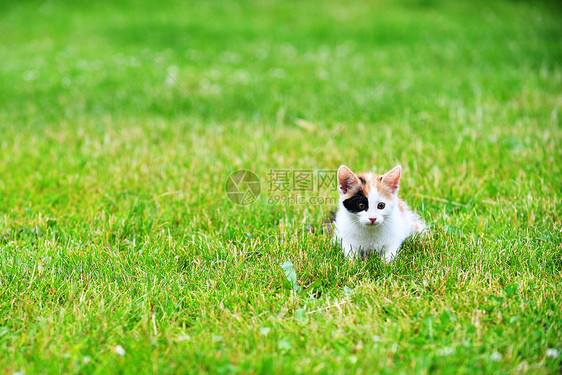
(184, 337)
(446, 351)
(496, 357)
(119, 350)
(552, 353)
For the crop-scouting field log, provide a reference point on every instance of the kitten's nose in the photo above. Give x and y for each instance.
(373, 219)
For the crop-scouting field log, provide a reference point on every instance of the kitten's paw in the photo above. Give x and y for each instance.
(350, 253)
(390, 255)
(388, 259)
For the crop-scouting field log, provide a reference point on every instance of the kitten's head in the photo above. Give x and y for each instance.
(368, 198)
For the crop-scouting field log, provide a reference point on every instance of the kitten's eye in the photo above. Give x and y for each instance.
(380, 206)
(361, 205)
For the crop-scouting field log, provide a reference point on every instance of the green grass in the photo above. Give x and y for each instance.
(115, 228)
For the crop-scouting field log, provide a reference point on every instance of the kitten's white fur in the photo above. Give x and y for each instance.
(392, 226)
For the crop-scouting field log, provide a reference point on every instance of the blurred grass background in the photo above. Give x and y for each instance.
(116, 229)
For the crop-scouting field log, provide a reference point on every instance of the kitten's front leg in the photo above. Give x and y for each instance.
(389, 253)
(349, 252)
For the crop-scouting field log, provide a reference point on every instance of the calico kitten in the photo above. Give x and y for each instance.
(370, 216)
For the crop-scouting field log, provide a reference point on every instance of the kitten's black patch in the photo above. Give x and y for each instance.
(363, 181)
(352, 204)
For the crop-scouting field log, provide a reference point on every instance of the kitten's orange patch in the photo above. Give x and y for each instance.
(365, 181)
(374, 180)
(384, 189)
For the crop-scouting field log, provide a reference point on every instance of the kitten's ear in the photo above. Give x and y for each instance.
(346, 179)
(392, 179)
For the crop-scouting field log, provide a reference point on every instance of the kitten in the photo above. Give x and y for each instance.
(370, 216)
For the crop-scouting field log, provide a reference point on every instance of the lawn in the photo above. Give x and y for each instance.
(120, 123)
